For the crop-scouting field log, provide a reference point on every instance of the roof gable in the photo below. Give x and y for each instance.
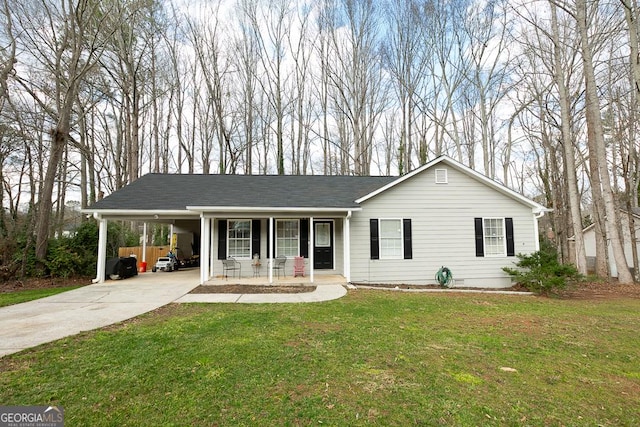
(536, 207)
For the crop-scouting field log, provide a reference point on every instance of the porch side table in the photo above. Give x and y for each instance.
(256, 269)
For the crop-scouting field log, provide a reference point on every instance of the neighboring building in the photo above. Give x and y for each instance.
(590, 242)
(389, 230)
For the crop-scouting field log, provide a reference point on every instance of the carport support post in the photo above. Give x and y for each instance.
(144, 242)
(102, 249)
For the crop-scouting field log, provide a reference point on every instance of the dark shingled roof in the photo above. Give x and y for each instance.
(177, 191)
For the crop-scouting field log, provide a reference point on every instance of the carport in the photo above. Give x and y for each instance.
(180, 219)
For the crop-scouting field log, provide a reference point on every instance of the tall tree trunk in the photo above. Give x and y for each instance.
(632, 14)
(598, 214)
(595, 133)
(45, 203)
(66, 92)
(567, 145)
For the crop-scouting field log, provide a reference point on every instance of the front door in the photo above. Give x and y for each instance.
(323, 245)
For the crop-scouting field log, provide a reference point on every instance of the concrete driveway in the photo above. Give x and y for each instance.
(48, 319)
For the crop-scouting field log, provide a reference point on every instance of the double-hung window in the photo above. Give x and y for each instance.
(239, 238)
(494, 237)
(390, 238)
(287, 237)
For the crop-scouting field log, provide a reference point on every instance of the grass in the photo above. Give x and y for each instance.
(372, 357)
(17, 297)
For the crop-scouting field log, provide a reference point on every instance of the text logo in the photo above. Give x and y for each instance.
(31, 416)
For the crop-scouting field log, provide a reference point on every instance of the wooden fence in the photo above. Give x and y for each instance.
(152, 253)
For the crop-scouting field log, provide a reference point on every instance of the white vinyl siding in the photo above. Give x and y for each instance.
(390, 238)
(443, 234)
(494, 237)
(239, 239)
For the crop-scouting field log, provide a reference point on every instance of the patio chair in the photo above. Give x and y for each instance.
(231, 265)
(298, 266)
(279, 265)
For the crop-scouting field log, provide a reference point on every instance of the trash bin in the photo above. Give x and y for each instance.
(121, 268)
(143, 267)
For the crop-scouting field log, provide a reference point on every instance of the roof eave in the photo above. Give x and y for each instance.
(136, 212)
(149, 215)
(258, 209)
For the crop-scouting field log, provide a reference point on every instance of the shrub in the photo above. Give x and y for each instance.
(541, 273)
(25, 254)
(66, 256)
(62, 261)
(81, 250)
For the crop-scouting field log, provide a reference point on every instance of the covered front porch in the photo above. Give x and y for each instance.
(286, 246)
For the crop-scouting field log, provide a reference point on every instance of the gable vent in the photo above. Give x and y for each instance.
(441, 176)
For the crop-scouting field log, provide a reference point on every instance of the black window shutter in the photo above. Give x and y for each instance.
(374, 241)
(479, 238)
(511, 247)
(406, 227)
(222, 239)
(255, 237)
(304, 237)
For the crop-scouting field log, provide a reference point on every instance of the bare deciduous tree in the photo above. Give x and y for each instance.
(358, 87)
(597, 149)
(68, 49)
(567, 144)
(404, 56)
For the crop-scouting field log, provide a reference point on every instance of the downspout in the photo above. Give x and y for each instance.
(102, 249)
(536, 231)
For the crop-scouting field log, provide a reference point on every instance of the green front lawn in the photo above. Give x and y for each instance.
(17, 297)
(373, 357)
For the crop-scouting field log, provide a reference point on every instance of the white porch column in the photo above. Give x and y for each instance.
(144, 242)
(202, 246)
(271, 249)
(102, 249)
(311, 246)
(211, 257)
(205, 245)
(347, 246)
